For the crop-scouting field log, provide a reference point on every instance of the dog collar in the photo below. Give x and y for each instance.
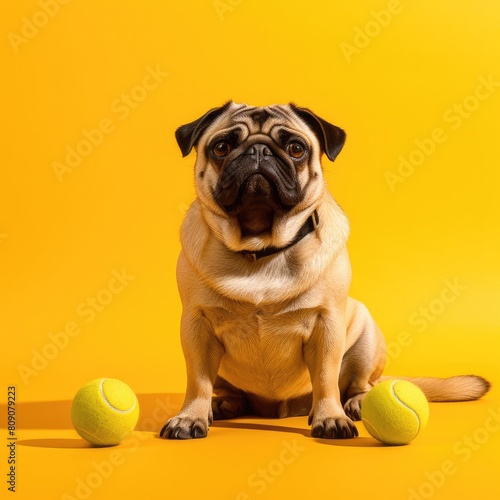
(308, 227)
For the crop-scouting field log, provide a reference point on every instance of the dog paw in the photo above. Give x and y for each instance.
(334, 428)
(352, 407)
(185, 428)
(224, 408)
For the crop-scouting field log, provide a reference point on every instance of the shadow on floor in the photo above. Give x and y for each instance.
(156, 409)
(359, 442)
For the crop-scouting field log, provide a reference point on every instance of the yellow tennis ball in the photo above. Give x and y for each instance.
(395, 412)
(105, 411)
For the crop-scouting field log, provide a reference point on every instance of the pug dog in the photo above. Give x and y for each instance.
(267, 326)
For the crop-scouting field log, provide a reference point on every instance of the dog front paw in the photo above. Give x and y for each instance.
(334, 428)
(182, 427)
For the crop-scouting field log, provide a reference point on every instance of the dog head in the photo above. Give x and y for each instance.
(258, 170)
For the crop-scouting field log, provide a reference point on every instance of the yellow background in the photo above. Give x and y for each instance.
(421, 68)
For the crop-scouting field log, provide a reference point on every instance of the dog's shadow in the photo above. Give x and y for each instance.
(358, 442)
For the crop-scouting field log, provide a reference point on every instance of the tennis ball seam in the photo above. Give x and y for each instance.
(374, 429)
(407, 407)
(85, 431)
(105, 399)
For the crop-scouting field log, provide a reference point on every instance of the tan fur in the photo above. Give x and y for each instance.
(458, 388)
(279, 336)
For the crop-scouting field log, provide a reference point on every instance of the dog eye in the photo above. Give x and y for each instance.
(221, 149)
(296, 150)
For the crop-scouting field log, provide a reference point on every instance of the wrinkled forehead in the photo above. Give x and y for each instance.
(261, 119)
(265, 120)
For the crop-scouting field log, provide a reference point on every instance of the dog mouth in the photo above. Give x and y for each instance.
(257, 205)
(255, 202)
(253, 188)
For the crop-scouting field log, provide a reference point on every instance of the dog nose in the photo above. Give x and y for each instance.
(258, 150)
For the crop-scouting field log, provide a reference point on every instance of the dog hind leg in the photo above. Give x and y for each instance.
(362, 364)
(228, 401)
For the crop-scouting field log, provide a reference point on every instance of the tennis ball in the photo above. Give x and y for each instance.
(105, 411)
(395, 411)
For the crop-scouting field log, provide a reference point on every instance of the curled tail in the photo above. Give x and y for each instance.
(458, 388)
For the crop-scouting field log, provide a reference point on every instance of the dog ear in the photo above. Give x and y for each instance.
(188, 135)
(331, 137)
